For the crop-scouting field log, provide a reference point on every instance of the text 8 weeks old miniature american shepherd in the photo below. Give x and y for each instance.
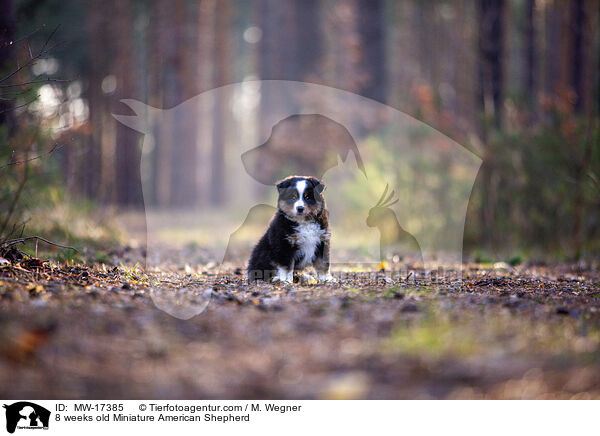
(298, 235)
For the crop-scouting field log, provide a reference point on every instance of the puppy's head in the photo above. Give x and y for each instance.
(301, 198)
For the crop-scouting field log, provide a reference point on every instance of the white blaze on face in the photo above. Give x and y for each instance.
(300, 187)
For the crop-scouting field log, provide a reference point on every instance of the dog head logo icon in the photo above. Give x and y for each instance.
(26, 415)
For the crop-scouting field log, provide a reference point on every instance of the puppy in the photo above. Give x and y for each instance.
(297, 237)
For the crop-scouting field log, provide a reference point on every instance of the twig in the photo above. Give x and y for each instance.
(14, 202)
(31, 82)
(18, 268)
(20, 106)
(32, 59)
(23, 224)
(50, 37)
(16, 41)
(13, 95)
(592, 176)
(37, 238)
(18, 162)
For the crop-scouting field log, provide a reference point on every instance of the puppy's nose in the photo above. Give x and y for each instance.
(300, 209)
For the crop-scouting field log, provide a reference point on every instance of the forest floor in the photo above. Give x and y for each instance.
(94, 331)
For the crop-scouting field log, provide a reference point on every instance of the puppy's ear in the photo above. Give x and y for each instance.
(283, 184)
(318, 185)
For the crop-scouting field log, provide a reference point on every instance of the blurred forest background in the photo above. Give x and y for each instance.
(515, 81)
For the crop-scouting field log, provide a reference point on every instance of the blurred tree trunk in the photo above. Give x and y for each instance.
(584, 69)
(127, 154)
(174, 67)
(279, 48)
(102, 125)
(96, 25)
(491, 49)
(466, 67)
(529, 85)
(550, 58)
(223, 76)
(206, 39)
(292, 40)
(160, 51)
(425, 40)
(309, 39)
(344, 46)
(7, 35)
(183, 182)
(371, 29)
(154, 54)
(577, 27)
(490, 87)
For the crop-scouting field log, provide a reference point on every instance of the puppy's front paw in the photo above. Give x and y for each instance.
(284, 276)
(327, 278)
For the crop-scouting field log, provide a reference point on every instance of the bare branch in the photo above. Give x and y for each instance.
(16, 41)
(592, 176)
(49, 38)
(20, 106)
(32, 59)
(37, 238)
(18, 162)
(14, 94)
(13, 203)
(31, 82)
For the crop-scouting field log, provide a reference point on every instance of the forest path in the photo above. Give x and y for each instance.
(95, 332)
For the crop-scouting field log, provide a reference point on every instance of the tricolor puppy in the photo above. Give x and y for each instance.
(298, 235)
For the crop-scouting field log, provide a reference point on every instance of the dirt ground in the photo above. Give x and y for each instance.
(532, 331)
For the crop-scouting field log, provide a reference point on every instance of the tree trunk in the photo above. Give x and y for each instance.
(490, 63)
(183, 182)
(205, 66)
(222, 77)
(577, 26)
(96, 25)
(127, 151)
(310, 39)
(370, 27)
(491, 48)
(529, 84)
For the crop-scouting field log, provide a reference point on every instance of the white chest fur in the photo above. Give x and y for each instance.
(307, 238)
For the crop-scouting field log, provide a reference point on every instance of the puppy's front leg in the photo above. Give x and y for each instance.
(321, 264)
(285, 274)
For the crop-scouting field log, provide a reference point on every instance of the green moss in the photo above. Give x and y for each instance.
(515, 259)
(433, 338)
(101, 257)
